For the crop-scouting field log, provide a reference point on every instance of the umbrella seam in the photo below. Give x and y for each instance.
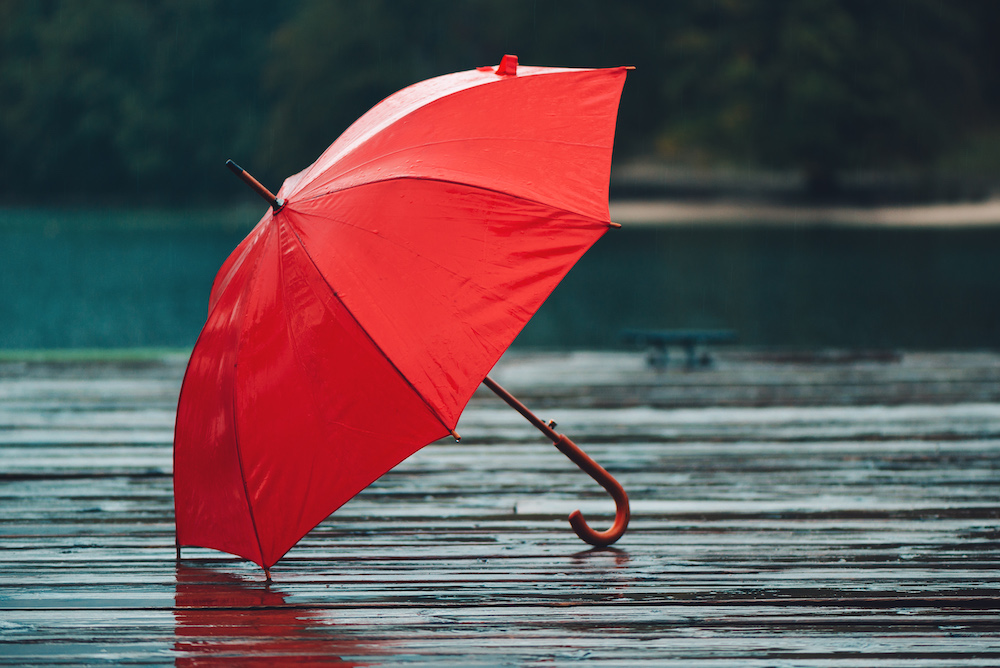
(459, 140)
(343, 221)
(463, 184)
(236, 429)
(367, 335)
(293, 342)
(428, 259)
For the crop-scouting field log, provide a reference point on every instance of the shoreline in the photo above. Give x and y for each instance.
(638, 212)
(669, 212)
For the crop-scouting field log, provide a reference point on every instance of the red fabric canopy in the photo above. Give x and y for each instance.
(352, 326)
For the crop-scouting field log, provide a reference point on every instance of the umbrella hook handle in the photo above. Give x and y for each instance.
(588, 465)
(608, 482)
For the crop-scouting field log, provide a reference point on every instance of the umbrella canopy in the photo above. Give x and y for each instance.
(355, 322)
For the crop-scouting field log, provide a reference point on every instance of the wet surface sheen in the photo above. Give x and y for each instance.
(806, 535)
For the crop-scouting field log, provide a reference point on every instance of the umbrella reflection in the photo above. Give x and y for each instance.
(601, 558)
(223, 619)
(607, 565)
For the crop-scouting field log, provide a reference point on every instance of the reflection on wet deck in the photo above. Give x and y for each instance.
(807, 512)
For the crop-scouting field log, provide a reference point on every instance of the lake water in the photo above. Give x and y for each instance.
(74, 279)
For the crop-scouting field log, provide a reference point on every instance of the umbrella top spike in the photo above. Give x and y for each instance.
(275, 203)
(508, 66)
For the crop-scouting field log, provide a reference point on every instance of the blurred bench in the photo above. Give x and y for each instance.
(692, 341)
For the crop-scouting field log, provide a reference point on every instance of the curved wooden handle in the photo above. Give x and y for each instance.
(588, 465)
(608, 482)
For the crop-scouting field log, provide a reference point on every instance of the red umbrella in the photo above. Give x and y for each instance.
(354, 323)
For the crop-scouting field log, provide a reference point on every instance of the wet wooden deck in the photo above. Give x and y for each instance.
(823, 510)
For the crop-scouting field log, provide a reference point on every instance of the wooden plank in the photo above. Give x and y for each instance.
(804, 533)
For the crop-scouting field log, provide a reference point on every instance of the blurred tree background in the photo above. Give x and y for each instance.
(140, 102)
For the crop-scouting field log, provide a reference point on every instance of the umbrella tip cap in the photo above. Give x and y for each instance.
(508, 65)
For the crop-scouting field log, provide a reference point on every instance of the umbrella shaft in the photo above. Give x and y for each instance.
(257, 186)
(586, 464)
(521, 408)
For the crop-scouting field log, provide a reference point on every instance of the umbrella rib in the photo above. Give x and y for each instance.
(243, 479)
(236, 429)
(464, 185)
(348, 223)
(582, 217)
(361, 327)
(463, 140)
(293, 340)
(342, 221)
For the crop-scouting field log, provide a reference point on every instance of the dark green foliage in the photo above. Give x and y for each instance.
(126, 99)
(136, 100)
(820, 85)
(334, 59)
